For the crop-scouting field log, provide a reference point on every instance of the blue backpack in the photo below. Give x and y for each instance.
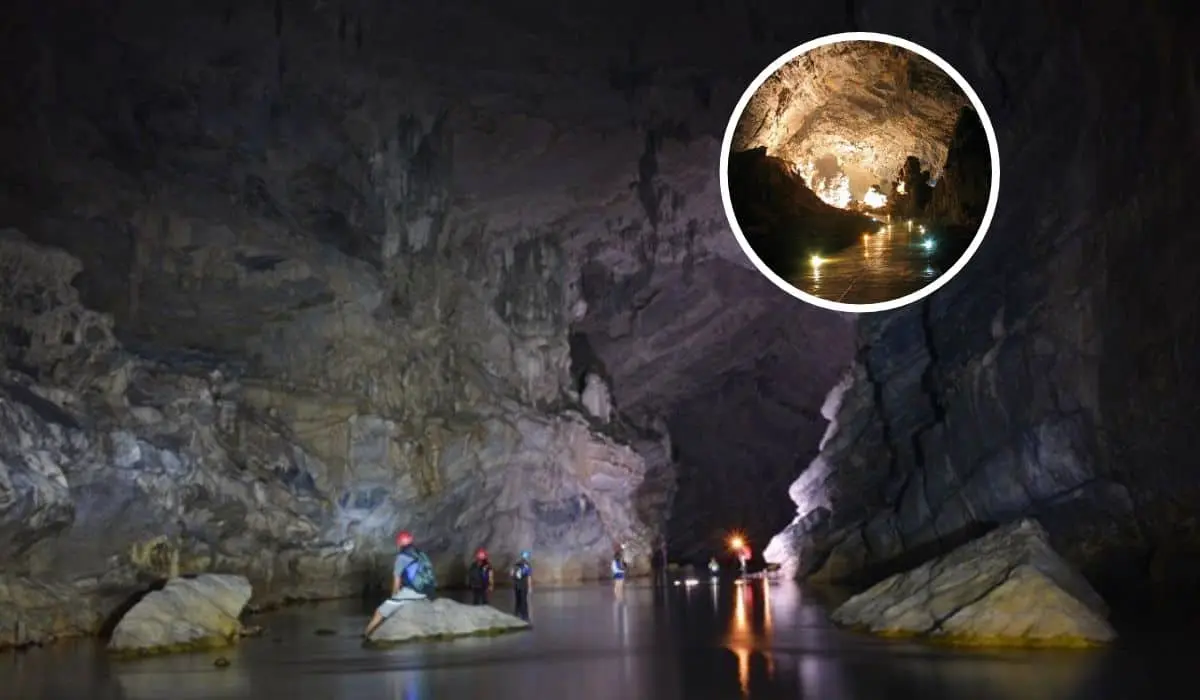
(418, 575)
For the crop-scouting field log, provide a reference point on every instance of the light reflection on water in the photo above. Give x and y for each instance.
(697, 642)
(883, 265)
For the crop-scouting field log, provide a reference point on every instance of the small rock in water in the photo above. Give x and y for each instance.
(188, 614)
(323, 632)
(221, 662)
(443, 619)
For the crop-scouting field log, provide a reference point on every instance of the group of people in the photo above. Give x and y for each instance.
(413, 579)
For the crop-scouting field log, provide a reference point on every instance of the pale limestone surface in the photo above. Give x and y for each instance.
(1006, 588)
(186, 614)
(441, 619)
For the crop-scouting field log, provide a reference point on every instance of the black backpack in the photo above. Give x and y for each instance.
(478, 575)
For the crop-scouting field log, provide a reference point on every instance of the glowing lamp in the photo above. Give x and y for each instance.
(816, 260)
(736, 543)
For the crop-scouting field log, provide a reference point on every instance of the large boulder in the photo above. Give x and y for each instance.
(1008, 588)
(443, 619)
(185, 615)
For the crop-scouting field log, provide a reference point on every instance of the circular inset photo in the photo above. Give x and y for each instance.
(860, 172)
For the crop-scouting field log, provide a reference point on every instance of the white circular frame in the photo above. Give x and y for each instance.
(993, 195)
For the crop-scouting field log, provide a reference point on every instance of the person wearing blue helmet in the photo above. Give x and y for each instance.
(522, 579)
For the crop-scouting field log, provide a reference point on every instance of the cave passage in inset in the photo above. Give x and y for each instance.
(859, 172)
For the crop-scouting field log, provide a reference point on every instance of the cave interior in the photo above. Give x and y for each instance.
(276, 285)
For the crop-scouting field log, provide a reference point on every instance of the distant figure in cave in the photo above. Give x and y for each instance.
(522, 580)
(618, 572)
(412, 579)
(480, 578)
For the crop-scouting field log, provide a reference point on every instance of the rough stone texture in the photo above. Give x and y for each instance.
(781, 218)
(1051, 379)
(187, 614)
(1007, 588)
(961, 195)
(402, 213)
(443, 619)
(869, 104)
(372, 237)
(142, 468)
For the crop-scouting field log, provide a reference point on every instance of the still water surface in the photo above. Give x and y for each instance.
(898, 259)
(703, 642)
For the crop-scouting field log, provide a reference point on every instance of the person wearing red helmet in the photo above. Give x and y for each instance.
(480, 579)
(412, 579)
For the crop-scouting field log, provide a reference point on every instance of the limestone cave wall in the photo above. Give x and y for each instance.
(1055, 376)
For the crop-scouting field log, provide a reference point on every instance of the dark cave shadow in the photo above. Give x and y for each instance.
(114, 618)
(912, 558)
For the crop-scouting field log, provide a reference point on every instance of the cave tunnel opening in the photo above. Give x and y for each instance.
(735, 373)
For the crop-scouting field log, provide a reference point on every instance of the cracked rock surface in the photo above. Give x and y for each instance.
(1009, 587)
(187, 613)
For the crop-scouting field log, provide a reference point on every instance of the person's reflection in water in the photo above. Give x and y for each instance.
(410, 685)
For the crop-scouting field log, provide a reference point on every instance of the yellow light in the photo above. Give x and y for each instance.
(817, 260)
(736, 542)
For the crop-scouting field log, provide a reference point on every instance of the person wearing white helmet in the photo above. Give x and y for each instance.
(619, 568)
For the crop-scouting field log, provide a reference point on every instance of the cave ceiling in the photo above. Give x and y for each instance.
(869, 104)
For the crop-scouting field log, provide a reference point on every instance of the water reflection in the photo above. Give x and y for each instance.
(754, 641)
(895, 260)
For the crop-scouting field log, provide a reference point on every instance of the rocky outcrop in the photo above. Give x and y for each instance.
(1008, 588)
(1048, 378)
(961, 195)
(186, 614)
(911, 191)
(119, 469)
(442, 619)
(782, 219)
(868, 104)
(386, 243)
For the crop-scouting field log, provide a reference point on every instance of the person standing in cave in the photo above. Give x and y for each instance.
(412, 579)
(480, 578)
(618, 572)
(522, 580)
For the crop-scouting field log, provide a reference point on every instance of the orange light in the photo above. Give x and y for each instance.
(736, 543)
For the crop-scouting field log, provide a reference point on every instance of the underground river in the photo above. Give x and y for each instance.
(698, 642)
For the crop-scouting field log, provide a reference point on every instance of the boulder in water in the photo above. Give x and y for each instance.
(1008, 588)
(187, 614)
(443, 619)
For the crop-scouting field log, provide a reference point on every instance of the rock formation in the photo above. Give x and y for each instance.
(868, 104)
(1050, 378)
(782, 219)
(911, 191)
(1008, 588)
(186, 614)
(961, 195)
(331, 256)
(443, 619)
